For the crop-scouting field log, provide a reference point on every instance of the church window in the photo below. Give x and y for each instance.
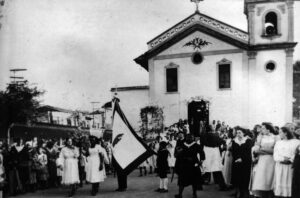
(270, 66)
(271, 24)
(224, 76)
(172, 79)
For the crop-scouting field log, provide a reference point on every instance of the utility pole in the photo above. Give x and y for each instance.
(93, 107)
(16, 80)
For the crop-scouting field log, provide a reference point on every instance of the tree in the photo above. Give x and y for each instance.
(18, 103)
(296, 89)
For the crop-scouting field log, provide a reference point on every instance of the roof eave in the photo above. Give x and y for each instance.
(143, 59)
(273, 46)
(195, 13)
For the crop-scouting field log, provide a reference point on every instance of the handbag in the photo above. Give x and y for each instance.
(101, 161)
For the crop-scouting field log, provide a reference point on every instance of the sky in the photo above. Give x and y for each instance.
(77, 50)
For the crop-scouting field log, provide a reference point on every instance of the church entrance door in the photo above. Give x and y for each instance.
(198, 111)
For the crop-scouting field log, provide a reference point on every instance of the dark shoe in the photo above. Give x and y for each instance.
(121, 189)
(194, 196)
(223, 189)
(158, 190)
(206, 183)
(164, 191)
(70, 194)
(178, 196)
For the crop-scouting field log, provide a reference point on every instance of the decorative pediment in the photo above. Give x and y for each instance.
(199, 98)
(197, 43)
(171, 65)
(224, 61)
(206, 21)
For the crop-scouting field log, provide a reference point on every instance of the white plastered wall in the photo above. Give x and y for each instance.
(268, 98)
(200, 80)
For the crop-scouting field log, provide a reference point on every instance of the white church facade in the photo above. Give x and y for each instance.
(204, 69)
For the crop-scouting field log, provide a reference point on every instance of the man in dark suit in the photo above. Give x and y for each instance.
(122, 177)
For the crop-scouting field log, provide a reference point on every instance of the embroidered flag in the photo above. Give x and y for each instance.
(129, 150)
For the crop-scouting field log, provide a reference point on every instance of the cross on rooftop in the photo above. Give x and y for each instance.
(197, 4)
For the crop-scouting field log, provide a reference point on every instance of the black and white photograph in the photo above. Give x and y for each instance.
(150, 98)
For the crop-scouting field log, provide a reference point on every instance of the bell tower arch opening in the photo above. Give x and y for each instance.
(271, 24)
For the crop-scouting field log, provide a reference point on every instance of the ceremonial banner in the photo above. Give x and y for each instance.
(129, 150)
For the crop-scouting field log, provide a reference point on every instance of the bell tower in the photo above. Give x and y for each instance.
(270, 21)
(270, 59)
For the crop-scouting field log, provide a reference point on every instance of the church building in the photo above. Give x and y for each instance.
(204, 69)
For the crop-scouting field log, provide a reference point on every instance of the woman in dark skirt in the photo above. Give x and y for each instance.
(10, 165)
(187, 165)
(24, 166)
(241, 166)
(296, 173)
(42, 174)
(162, 167)
(51, 156)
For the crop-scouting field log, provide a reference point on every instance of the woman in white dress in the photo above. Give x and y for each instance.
(151, 159)
(171, 148)
(69, 164)
(95, 172)
(227, 168)
(284, 152)
(262, 183)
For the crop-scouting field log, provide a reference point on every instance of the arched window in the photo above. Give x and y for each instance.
(271, 24)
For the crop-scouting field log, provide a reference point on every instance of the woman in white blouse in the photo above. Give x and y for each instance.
(95, 172)
(69, 164)
(284, 152)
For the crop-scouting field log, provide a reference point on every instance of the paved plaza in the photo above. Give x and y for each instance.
(137, 187)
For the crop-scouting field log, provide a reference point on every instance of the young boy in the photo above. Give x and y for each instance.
(162, 167)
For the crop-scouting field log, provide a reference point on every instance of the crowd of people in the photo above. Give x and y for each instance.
(32, 165)
(263, 162)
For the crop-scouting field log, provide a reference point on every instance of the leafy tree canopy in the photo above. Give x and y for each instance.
(19, 103)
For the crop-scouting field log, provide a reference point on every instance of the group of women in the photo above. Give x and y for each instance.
(25, 167)
(265, 165)
(95, 168)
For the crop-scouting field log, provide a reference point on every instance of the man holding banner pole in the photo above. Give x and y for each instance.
(129, 150)
(122, 178)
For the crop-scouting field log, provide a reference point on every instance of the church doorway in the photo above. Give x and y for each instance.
(198, 111)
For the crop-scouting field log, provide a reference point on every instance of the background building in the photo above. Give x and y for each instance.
(204, 69)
